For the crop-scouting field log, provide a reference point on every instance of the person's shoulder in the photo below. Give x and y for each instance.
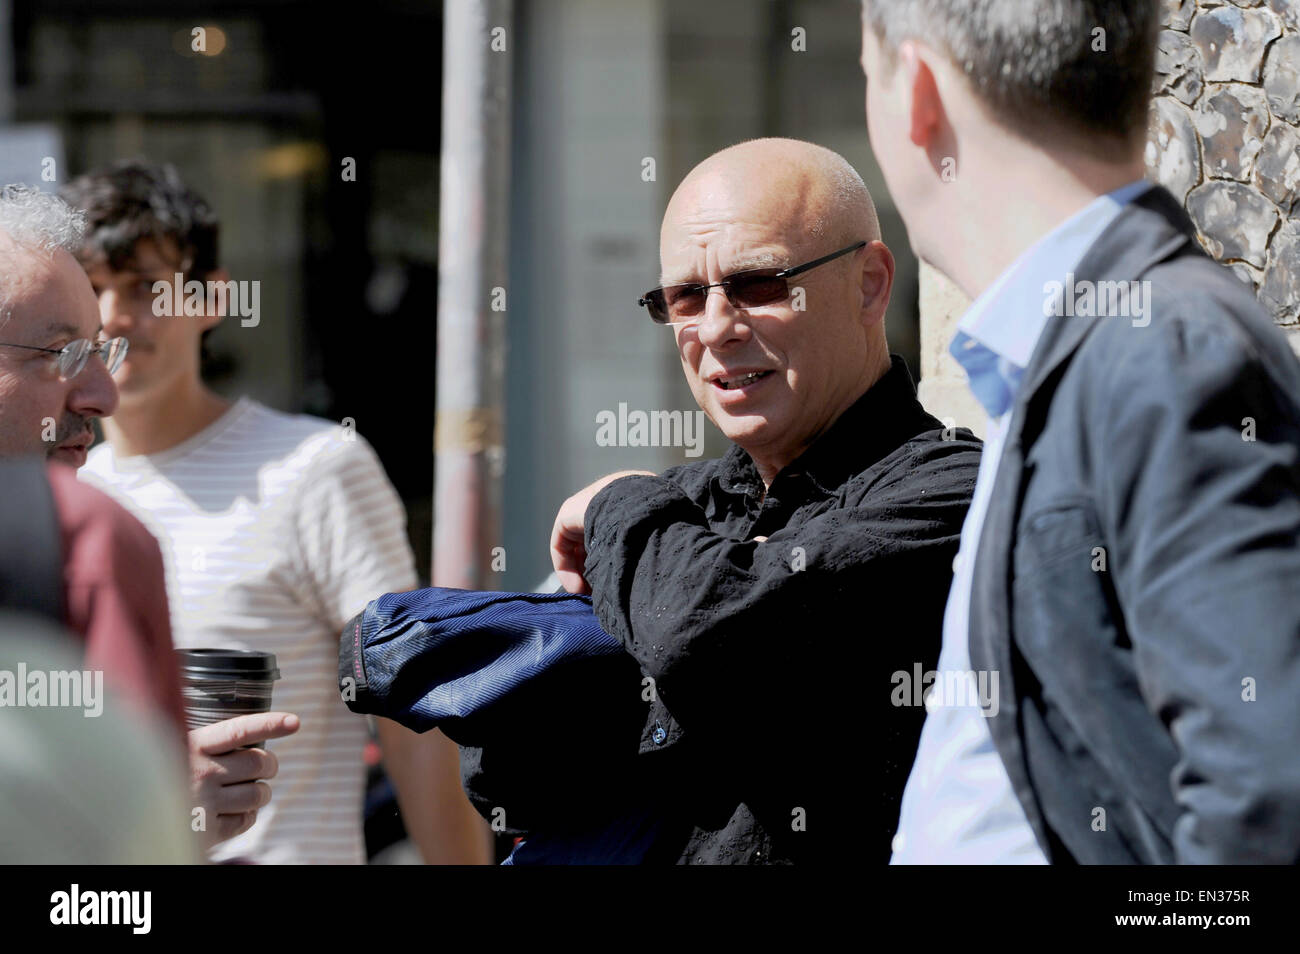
(89, 517)
(945, 448)
(303, 442)
(1201, 325)
(78, 499)
(693, 476)
(937, 465)
(290, 429)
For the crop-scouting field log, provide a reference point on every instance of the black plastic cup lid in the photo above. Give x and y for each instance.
(228, 664)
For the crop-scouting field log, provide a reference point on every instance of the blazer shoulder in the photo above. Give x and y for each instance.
(1193, 313)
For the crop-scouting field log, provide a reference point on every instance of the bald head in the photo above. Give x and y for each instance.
(801, 189)
(775, 371)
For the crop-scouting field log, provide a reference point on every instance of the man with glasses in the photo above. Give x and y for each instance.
(756, 609)
(275, 528)
(47, 337)
(771, 593)
(55, 379)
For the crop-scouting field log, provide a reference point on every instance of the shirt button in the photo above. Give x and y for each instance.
(660, 733)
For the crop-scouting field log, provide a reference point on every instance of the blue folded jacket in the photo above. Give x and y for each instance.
(545, 705)
(428, 656)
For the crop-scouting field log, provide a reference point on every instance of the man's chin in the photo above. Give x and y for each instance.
(743, 429)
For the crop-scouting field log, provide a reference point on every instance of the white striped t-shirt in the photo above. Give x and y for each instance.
(275, 531)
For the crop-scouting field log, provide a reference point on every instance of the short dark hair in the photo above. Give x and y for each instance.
(1034, 63)
(136, 199)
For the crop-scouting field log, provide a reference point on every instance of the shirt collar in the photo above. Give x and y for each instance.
(997, 335)
(884, 417)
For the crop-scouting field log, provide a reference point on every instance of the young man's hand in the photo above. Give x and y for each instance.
(568, 543)
(225, 779)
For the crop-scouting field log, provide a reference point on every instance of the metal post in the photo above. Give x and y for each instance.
(469, 455)
(7, 57)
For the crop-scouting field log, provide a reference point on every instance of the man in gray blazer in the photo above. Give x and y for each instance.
(1128, 583)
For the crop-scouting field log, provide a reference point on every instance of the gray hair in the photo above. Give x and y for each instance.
(1079, 66)
(38, 221)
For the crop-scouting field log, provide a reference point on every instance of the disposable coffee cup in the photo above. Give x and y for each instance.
(219, 684)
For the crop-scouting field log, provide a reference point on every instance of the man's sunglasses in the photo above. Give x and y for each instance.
(74, 355)
(672, 304)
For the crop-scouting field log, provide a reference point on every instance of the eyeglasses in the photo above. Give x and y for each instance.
(750, 288)
(74, 354)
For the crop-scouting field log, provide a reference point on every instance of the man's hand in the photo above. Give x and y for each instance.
(568, 543)
(224, 778)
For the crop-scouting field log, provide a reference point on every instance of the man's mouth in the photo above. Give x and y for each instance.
(734, 382)
(75, 449)
(74, 454)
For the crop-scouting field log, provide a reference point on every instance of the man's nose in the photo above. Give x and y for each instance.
(720, 324)
(114, 315)
(93, 393)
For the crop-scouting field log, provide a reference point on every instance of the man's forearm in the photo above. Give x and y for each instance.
(425, 771)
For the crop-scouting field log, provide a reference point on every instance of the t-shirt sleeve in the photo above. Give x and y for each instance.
(352, 531)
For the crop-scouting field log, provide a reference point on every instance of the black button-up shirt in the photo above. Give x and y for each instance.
(771, 662)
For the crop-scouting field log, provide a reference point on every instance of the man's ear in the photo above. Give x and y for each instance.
(926, 113)
(212, 315)
(877, 281)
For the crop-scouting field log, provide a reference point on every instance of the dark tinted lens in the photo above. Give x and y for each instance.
(749, 291)
(654, 302)
(684, 301)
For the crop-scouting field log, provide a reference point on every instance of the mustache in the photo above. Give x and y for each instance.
(70, 426)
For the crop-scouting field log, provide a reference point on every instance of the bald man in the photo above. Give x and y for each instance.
(748, 687)
(774, 595)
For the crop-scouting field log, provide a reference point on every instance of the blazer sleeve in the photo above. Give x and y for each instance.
(1197, 451)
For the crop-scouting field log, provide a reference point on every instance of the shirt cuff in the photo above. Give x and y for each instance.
(353, 685)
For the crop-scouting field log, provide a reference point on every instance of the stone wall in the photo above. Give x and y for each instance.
(1224, 138)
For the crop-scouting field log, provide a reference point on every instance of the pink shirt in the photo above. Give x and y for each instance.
(116, 598)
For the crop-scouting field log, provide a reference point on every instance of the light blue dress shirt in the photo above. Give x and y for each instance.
(958, 806)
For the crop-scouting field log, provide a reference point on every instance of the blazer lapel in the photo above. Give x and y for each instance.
(1147, 231)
